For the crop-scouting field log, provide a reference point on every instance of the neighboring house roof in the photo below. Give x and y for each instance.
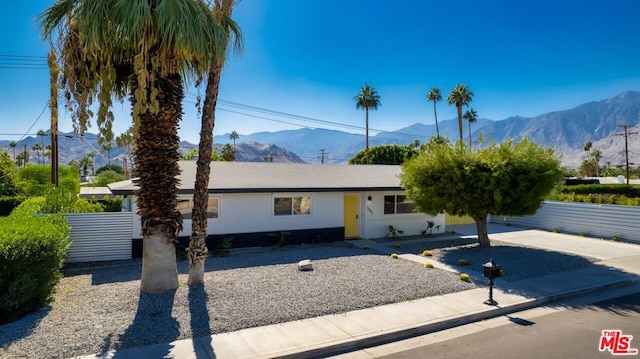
(97, 192)
(252, 177)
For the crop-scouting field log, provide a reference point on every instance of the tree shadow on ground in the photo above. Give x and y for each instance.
(23, 327)
(153, 324)
(199, 314)
(516, 261)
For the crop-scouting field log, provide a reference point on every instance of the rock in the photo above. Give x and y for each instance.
(305, 265)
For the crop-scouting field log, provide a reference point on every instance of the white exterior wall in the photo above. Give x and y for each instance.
(253, 212)
(375, 223)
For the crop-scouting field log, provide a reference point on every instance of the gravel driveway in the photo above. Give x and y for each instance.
(98, 308)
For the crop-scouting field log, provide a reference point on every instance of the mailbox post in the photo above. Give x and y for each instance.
(491, 271)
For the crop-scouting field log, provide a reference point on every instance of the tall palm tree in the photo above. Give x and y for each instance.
(143, 50)
(13, 145)
(435, 96)
(41, 133)
(197, 250)
(460, 96)
(471, 116)
(597, 156)
(587, 148)
(125, 140)
(47, 152)
(367, 98)
(36, 147)
(234, 136)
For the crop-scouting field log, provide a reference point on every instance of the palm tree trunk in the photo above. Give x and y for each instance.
(460, 121)
(469, 135)
(197, 251)
(481, 226)
(435, 114)
(157, 167)
(366, 112)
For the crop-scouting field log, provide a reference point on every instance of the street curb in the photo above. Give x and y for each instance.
(392, 335)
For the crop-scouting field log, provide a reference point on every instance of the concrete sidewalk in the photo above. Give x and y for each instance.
(332, 334)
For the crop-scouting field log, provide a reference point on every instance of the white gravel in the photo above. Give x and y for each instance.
(97, 309)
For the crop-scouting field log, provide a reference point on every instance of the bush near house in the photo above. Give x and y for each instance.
(621, 189)
(32, 252)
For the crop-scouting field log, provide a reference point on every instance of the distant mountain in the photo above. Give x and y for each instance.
(252, 151)
(566, 131)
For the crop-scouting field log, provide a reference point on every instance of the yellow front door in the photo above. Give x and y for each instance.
(351, 216)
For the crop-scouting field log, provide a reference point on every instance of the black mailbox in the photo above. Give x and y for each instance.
(491, 270)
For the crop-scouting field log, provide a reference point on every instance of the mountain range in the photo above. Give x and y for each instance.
(566, 131)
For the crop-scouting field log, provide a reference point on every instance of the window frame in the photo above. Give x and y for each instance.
(397, 204)
(292, 198)
(188, 210)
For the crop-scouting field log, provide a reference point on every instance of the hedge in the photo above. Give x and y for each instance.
(32, 252)
(596, 188)
(8, 204)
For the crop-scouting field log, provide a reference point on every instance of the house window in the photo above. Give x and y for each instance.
(398, 204)
(294, 205)
(185, 206)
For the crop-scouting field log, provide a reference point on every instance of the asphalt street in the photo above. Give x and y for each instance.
(564, 332)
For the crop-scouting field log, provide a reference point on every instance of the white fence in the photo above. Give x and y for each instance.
(99, 236)
(596, 220)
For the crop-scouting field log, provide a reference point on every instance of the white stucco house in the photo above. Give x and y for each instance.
(251, 201)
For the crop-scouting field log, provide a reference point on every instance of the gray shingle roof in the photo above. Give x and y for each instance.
(248, 177)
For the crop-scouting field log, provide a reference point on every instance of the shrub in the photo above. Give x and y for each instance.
(556, 230)
(596, 188)
(427, 253)
(428, 265)
(583, 234)
(464, 277)
(615, 239)
(59, 200)
(394, 255)
(32, 252)
(463, 262)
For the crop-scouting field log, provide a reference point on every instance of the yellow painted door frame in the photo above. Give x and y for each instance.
(351, 215)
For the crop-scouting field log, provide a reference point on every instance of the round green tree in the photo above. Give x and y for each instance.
(508, 179)
(384, 155)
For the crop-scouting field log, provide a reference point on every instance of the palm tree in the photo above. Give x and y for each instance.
(471, 116)
(107, 147)
(197, 250)
(587, 148)
(47, 152)
(143, 50)
(13, 145)
(36, 147)
(367, 99)
(597, 156)
(460, 96)
(41, 133)
(125, 140)
(234, 136)
(435, 96)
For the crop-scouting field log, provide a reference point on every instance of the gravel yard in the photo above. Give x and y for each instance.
(98, 308)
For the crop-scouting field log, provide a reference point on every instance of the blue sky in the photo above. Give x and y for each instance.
(309, 58)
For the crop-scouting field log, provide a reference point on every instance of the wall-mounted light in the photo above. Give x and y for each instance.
(369, 198)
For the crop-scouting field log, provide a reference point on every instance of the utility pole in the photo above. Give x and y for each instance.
(626, 145)
(322, 155)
